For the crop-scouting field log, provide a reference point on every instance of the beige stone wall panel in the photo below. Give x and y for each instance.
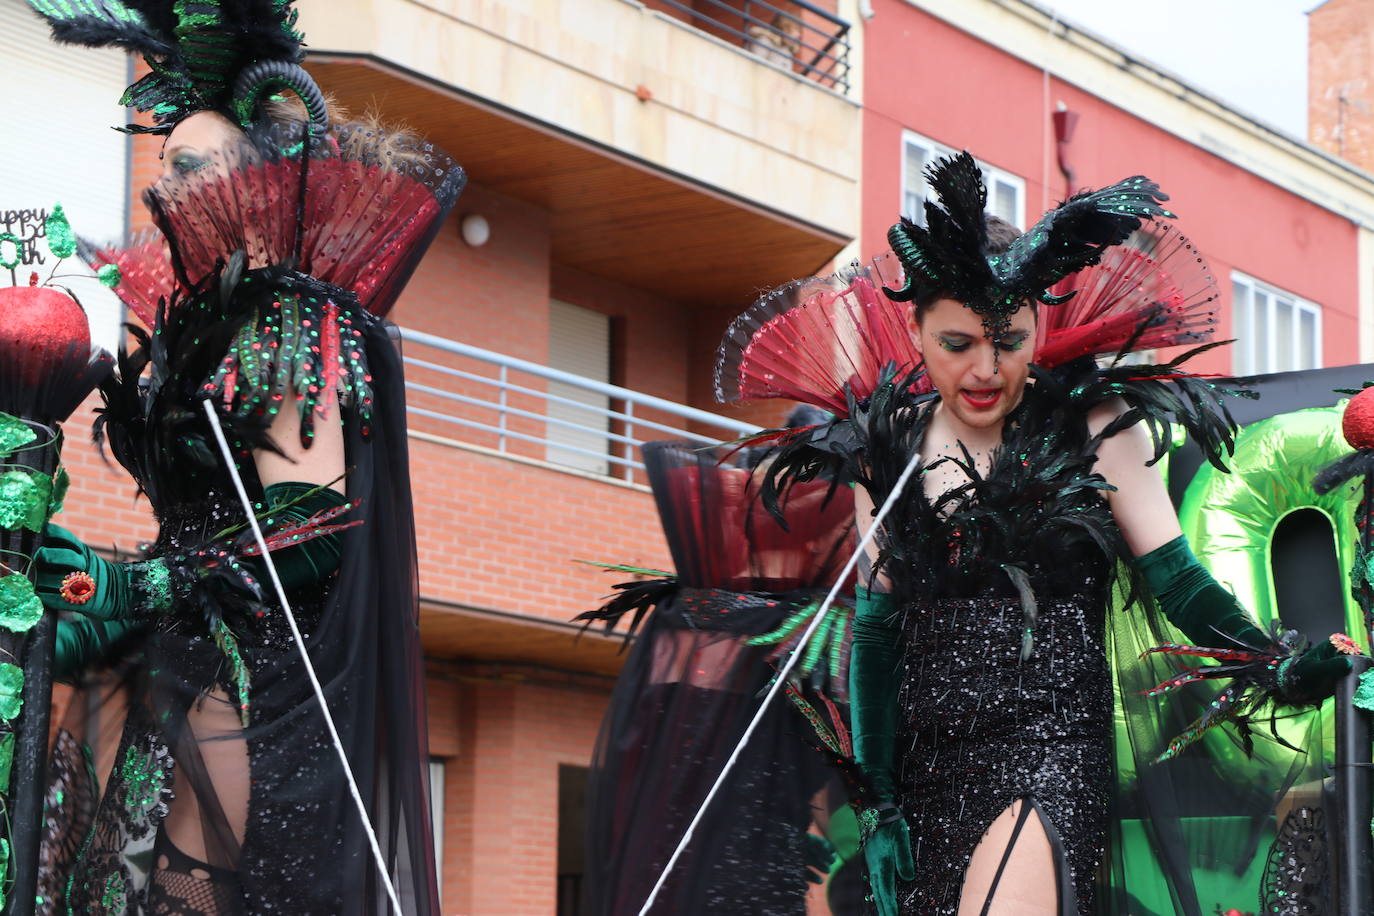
(716, 115)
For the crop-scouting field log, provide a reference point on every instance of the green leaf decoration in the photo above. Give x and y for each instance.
(10, 260)
(14, 435)
(20, 607)
(24, 499)
(61, 239)
(6, 762)
(60, 483)
(11, 691)
(1364, 694)
(109, 275)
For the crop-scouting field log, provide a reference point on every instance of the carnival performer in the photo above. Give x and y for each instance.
(284, 237)
(981, 692)
(744, 589)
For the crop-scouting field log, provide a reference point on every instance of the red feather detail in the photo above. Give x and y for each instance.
(1156, 278)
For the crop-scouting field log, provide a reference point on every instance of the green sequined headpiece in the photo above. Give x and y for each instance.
(949, 254)
(215, 55)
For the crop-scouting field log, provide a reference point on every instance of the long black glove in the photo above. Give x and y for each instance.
(1210, 616)
(873, 709)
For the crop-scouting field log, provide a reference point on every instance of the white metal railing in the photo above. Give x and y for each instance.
(576, 421)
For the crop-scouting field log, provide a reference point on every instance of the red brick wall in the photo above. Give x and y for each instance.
(1340, 66)
(515, 727)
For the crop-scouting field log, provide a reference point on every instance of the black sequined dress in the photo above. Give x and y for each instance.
(1005, 690)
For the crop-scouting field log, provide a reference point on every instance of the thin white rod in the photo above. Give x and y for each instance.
(786, 670)
(300, 645)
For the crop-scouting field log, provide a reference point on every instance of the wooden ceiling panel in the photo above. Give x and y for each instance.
(610, 214)
(483, 636)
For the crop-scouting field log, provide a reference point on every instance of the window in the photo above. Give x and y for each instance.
(579, 344)
(572, 830)
(436, 814)
(59, 148)
(1006, 192)
(1275, 331)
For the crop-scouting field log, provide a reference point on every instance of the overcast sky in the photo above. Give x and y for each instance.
(1252, 54)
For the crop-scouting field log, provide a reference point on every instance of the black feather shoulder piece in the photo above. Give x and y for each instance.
(253, 342)
(949, 254)
(1036, 521)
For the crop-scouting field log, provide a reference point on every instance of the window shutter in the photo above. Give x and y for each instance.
(59, 148)
(579, 343)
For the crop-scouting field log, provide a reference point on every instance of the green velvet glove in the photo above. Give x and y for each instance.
(82, 642)
(131, 591)
(873, 666)
(310, 562)
(1312, 676)
(1209, 615)
(118, 591)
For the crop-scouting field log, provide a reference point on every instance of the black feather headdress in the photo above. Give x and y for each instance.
(216, 55)
(949, 254)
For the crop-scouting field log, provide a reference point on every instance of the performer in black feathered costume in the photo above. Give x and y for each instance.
(706, 645)
(204, 781)
(981, 693)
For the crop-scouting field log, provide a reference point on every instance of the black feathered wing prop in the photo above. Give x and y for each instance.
(949, 254)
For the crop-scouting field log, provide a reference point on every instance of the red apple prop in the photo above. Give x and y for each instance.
(1358, 421)
(40, 328)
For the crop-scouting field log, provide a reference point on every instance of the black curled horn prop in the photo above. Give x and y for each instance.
(272, 76)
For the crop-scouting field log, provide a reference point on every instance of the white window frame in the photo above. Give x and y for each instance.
(933, 150)
(1245, 361)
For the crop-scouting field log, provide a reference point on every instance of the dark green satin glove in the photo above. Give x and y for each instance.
(82, 643)
(1195, 602)
(117, 591)
(1209, 615)
(887, 854)
(1312, 676)
(873, 684)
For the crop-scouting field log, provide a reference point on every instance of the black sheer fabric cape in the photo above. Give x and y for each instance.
(154, 781)
(690, 686)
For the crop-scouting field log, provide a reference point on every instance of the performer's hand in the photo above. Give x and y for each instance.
(818, 854)
(887, 853)
(1312, 676)
(64, 559)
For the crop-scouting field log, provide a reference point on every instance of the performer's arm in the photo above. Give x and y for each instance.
(1196, 603)
(82, 642)
(142, 590)
(321, 463)
(873, 684)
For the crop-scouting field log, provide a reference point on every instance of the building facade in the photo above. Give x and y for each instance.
(638, 172)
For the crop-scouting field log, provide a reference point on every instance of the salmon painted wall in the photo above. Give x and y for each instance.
(926, 76)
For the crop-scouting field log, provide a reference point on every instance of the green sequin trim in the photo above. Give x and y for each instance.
(25, 496)
(11, 691)
(61, 239)
(60, 483)
(109, 275)
(1364, 694)
(20, 608)
(6, 761)
(868, 824)
(142, 781)
(14, 434)
(152, 583)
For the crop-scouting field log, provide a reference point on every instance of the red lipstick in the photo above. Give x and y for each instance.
(981, 399)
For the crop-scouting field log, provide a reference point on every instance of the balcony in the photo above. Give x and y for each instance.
(519, 472)
(797, 36)
(669, 153)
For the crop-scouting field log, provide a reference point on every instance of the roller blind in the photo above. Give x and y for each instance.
(61, 103)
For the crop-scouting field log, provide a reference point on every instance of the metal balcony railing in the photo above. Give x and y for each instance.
(479, 397)
(793, 34)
